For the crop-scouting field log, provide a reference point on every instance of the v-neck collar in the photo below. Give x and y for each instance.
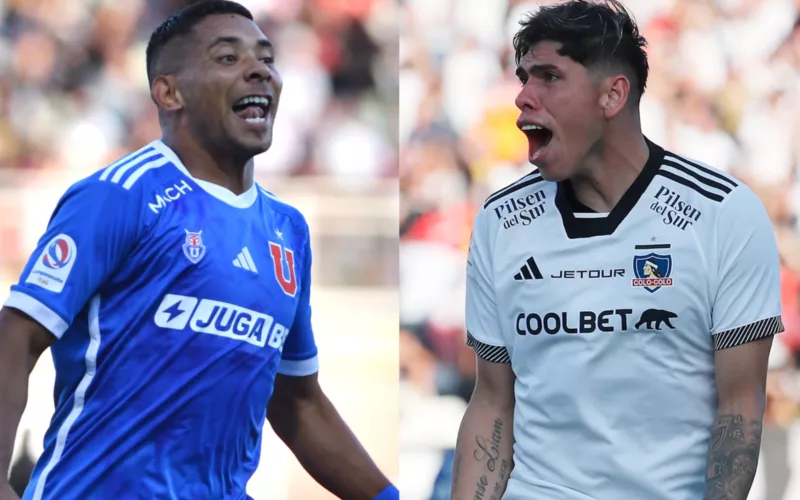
(587, 227)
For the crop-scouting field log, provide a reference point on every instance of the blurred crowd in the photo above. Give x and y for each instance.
(724, 89)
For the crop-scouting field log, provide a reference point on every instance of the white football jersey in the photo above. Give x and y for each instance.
(610, 323)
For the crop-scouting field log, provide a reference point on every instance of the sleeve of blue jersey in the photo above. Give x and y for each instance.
(90, 233)
(299, 356)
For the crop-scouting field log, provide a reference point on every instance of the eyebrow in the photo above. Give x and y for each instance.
(535, 68)
(235, 40)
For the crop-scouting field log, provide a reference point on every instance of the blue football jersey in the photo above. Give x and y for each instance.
(175, 303)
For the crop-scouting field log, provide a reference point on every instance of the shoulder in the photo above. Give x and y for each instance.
(137, 175)
(523, 187)
(703, 182)
(118, 184)
(136, 170)
(699, 192)
(147, 179)
(292, 213)
(522, 201)
(715, 199)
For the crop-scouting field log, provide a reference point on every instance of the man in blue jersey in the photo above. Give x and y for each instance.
(174, 294)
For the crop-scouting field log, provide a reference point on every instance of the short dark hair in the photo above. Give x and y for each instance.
(181, 24)
(594, 34)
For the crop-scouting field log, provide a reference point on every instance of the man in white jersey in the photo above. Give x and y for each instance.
(621, 299)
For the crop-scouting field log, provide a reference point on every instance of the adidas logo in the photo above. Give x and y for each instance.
(529, 271)
(245, 261)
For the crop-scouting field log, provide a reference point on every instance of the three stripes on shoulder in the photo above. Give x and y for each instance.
(136, 164)
(529, 180)
(710, 183)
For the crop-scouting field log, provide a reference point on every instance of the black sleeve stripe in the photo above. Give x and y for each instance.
(748, 333)
(491, 353)
(526, 181)
(704, 180)
(727, 178)
(686, 182)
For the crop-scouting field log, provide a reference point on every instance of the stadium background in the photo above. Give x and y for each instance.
(74, 96)
(724, 89)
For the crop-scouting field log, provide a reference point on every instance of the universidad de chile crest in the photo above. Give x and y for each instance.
(653, 270)
(193, 248)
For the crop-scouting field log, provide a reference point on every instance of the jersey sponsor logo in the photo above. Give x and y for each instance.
(522, 210)
(587, 322)
(589, 274)
(177, 312)
(193, 247)
(652, 270)
(171, 194)
(52, 268)
(529, 271)
(674, 211)
(283, 265)
(245, 261)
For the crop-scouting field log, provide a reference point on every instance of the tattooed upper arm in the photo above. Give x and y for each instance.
(735, 443)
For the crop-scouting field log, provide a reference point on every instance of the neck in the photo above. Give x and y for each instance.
(610, 168)
(222, 168)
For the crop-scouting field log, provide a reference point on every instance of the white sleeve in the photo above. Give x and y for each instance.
(747, 305)
(483, 328)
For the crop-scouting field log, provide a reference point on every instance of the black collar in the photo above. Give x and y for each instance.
(568, 204)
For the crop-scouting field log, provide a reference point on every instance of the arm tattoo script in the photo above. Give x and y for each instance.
(488, 451)
(732, 457)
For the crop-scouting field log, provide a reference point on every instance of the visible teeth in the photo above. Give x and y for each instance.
(255, 120)
(531, 127)
(261, 101)
(536, 154)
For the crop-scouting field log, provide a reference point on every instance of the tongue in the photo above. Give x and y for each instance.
(538, 139)
(251, 111)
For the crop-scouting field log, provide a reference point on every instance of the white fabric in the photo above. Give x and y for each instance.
(623, 413)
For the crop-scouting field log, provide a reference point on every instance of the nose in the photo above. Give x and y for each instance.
(528, 99)
(258, 72)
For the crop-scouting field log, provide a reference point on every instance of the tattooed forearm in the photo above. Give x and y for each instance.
(483, 458)
(488, 452)
(732, 457)
(500, 485)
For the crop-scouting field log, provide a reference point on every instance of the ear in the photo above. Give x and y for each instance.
(166, 93)
(614, 95)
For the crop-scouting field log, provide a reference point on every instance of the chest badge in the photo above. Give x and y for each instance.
(283, 265)
(652, 270)
(193, 248)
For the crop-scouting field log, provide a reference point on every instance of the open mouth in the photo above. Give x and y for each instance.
(253, 109)
(538, 137)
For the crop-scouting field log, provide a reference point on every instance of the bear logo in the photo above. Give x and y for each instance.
(654, 318)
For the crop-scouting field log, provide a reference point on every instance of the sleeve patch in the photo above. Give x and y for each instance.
(54, 264)
(491, 353)
(748, 333)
